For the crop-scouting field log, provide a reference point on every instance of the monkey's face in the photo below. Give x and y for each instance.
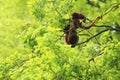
(78, 19)
(78, 16)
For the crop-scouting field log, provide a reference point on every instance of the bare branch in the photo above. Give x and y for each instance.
(59, 38)
(112, 7)
(56, 9)
(98, 34)
(93, 37)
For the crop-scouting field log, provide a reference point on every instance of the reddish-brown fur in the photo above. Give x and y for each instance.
(71, 36)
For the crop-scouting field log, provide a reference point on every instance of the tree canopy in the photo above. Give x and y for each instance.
(33, 43)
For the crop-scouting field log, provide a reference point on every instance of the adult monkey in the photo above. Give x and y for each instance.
(78, 19)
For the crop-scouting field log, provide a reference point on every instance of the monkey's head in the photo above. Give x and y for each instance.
(78, 16)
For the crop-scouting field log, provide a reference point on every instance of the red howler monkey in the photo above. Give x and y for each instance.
(71, 36)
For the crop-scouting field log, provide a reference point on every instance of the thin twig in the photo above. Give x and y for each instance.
(92, 35)
(56, 10)
(59, 37)
(112, 7)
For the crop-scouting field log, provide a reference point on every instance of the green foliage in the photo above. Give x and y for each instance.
(40, 52)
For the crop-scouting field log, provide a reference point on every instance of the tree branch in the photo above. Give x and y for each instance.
(93, 37)
(98, 34)
(56, 9)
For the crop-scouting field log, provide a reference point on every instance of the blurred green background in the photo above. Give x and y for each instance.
(32, 46)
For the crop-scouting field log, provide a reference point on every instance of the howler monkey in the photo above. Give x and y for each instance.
(78, 19)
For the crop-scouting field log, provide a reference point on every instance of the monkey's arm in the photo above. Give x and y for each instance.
(93, 22)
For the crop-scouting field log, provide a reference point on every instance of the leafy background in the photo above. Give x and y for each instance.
(32, 45)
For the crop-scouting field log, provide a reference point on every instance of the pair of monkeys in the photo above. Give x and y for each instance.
(78, 19)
